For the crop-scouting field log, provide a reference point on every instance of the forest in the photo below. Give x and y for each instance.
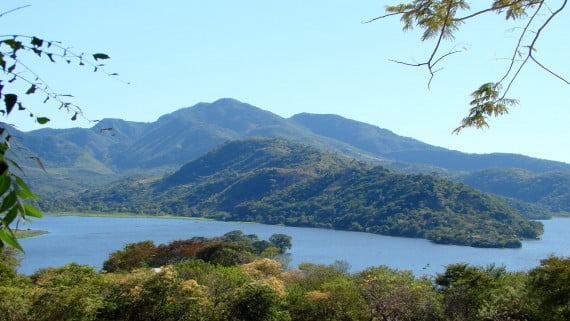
(276, 181)
(240, 277)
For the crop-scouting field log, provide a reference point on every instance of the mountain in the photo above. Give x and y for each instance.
(79, 158)
(546, 191)
(191, 132)
(384, 143)
(276, 181)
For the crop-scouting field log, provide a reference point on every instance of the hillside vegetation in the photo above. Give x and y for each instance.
(275, 181)
(547, 191)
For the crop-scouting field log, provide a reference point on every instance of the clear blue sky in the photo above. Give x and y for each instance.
(297, 56)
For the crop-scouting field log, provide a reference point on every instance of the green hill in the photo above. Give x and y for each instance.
(276, 181)
(547, 191)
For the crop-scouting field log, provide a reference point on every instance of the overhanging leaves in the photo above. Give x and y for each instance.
(10, 101)
(32, 211)
(440, 19)
(100, 56)
(37, 42)
(17, 73)
(487, 101)
(42, 120)
(10, 239)
(31, 90)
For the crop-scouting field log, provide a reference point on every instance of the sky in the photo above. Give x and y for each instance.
(296, 56)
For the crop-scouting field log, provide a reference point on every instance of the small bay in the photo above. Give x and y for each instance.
(89, 240)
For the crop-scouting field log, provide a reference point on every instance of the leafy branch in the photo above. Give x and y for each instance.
(14, 192)
(14, 73)
(440, 19)
(15, 70)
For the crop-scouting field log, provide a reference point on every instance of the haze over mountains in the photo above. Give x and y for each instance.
(82, 158)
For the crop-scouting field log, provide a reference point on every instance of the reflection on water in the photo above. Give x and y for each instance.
(89, 240)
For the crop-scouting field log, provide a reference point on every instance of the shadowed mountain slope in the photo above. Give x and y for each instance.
(386, 144)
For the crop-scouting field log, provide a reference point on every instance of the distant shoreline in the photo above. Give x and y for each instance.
(133, 215)
(128, 215)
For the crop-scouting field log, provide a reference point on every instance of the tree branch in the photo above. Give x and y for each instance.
(384, 16)
(15, 9)
(516, 51)
(492, 9)
(531, 48)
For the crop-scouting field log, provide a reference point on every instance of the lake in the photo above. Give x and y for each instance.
(89, 240)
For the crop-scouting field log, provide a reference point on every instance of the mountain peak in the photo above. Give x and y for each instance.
(215, 110)
(228, 101)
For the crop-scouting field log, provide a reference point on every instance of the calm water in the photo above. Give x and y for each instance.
(89, 240)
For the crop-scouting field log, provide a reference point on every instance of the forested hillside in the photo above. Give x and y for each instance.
(275, 181)
(549, 191)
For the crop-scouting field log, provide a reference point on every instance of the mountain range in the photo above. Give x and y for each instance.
(80, 158)
(276, 181)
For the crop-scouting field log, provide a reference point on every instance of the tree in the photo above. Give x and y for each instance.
(72, 292)
(226, 254)
(281, 241)
(15, 74)
(15, 289)
(550, 287)
(256, 302)
(396, 295)
(441, 19)
(483, 293)
(134, 255)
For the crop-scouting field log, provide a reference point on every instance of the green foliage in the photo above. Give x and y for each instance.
(274, 181)
(15, 292)
(397, 295)
(72, 292)
(224, 254)
(146, 295)
(13, 193)
(487, 102)
(257, 303)
(550, 288)
(488, 293)
(434, 17)
(281, 241)
(134, 255)
(197, 290)
(325, 292)
(231, 249)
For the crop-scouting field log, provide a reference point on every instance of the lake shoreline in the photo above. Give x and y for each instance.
(198, 218)
(134, 215)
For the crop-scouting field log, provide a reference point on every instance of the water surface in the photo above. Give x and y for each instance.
(89, 240)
